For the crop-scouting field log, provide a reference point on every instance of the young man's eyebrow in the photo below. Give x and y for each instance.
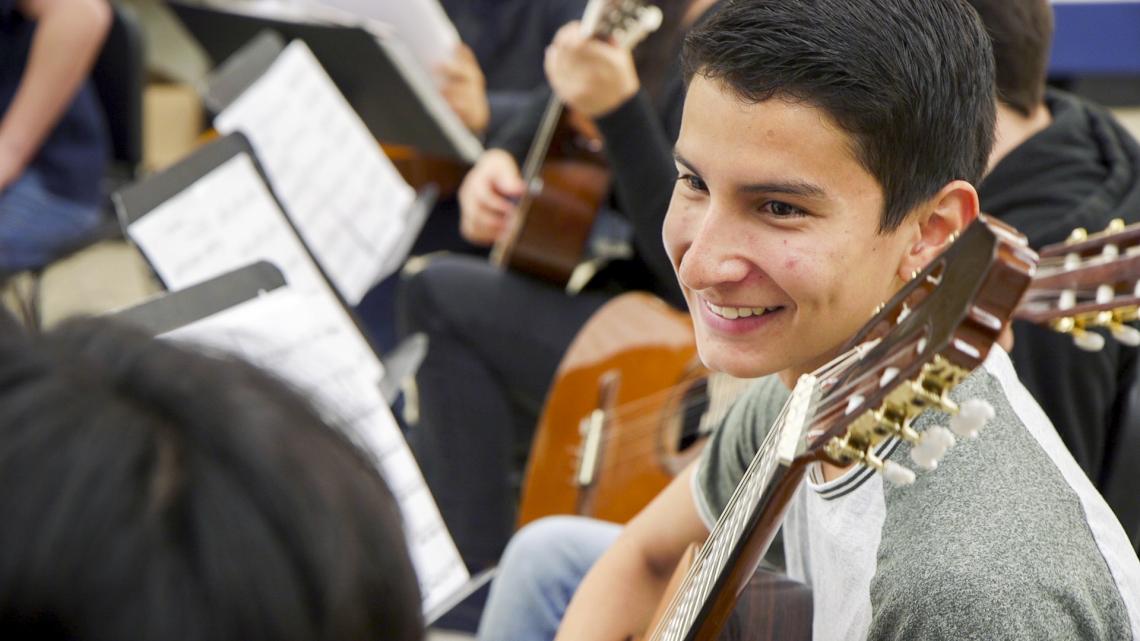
(800, 188)
(679, 159)
(790, 187)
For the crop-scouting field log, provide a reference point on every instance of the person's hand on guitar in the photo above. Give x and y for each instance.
(465, 89)
(487, 197)
(592, 76)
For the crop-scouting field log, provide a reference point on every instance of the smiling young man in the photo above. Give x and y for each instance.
(828, 150)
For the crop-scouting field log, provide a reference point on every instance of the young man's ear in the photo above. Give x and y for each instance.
(946, 215)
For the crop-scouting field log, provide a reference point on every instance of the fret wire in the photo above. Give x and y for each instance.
(710, 562)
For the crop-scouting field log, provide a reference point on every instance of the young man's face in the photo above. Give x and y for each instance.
(773, 233)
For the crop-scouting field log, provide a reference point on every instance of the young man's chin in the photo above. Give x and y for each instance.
(735, 363)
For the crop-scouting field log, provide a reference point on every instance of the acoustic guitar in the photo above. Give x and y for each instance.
(565, 173)
(915, 349)
(628, 408)
(630, 404)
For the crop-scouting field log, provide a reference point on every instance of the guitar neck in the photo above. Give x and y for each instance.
(745, 530)
(1058, 293)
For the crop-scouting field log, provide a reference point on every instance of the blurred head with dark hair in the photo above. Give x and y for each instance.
(1021, 32)
(150, 492)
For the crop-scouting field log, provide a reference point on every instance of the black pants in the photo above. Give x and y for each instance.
(495, 339)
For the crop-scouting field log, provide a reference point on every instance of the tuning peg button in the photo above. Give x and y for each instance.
(1126, 334)
(897, 474)
(931, 447)
(1088, 341)
(971, 418)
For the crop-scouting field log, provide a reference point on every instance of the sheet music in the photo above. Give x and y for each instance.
(421, 24)
(304, 343)
(342, 193)
(228, 219)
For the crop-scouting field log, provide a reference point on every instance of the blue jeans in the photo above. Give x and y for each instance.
(539, 572)
(37, 226)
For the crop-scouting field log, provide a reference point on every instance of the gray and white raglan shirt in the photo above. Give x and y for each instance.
(1007, 539)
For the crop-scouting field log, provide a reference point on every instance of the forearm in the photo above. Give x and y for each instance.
(621, 592)
(616, 599)
(67, 40)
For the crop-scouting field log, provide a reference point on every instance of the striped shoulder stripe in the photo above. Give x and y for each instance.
(854, 480)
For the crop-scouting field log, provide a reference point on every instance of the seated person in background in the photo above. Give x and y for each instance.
(53, 140)
(1060, 163)
(155, 493)
(495, 337)
(495, 72)
(492, 76)
(827, 152)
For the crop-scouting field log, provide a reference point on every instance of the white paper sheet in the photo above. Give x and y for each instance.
(228, 219)
(421, 24)
(342, 193)
(304, 343)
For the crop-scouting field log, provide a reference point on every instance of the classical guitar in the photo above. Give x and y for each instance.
(630, 403)
(914, 350)
(565, 172)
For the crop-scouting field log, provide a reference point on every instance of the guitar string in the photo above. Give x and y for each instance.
(705, 584)
(694, 401)
(655, 398)
(732, 517)
(641, 441)
(690, 576)
(684, 599)
(711, 561)
(837, 395)
(672, 623)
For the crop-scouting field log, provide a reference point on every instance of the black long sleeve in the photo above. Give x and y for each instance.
(640, 151)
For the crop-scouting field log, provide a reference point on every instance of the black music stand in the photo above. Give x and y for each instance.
(389, 91)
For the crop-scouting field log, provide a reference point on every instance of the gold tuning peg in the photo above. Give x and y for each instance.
(1064, 325)
(1077, 235)
(1103, 319)
(1115, 225)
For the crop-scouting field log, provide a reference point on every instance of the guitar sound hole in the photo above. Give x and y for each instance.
(694, 404)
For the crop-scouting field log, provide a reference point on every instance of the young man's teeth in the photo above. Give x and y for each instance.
(732, 313)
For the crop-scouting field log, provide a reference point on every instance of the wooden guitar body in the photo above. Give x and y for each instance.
(553, 222)
(636, 353)
(771, 607)
(551, 240)
(566, 175)
(421, 169)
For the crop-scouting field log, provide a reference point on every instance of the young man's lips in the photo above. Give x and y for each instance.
(736, 319)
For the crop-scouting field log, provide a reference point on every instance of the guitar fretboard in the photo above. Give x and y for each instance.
(719, 551)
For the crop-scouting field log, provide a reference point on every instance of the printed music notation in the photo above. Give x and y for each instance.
(305, 344)
(345, 197)
(228, 219)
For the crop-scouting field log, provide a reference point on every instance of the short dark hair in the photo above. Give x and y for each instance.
(152, 492)
(911, 81)
(1021, 32)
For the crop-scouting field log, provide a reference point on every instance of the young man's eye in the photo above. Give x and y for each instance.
(692, 182)
(783, 210)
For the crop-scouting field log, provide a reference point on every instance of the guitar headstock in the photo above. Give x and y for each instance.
(916, 348)
(627, 21)
(1089, 281)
